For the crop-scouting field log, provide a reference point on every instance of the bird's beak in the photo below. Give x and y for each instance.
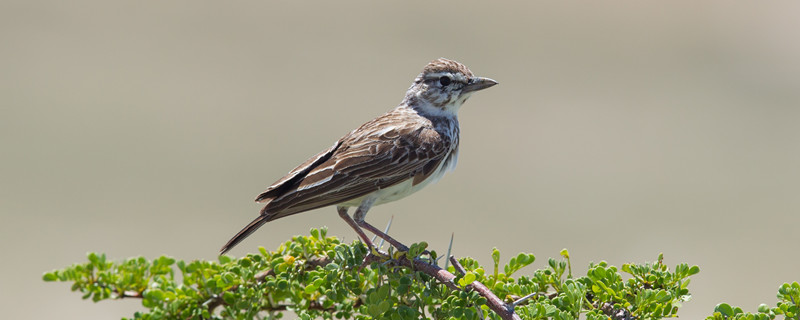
(478, 83)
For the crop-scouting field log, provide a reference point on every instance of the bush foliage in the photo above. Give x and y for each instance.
(317, 276)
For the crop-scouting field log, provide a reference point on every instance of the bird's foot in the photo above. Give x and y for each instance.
(375, 255)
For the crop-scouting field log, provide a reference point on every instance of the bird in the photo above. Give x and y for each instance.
(385, 159)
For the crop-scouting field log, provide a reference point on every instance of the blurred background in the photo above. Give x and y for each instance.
(619, 131)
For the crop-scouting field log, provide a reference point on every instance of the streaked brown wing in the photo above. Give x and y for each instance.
(301, 203)
(381, 153)
(298, 173)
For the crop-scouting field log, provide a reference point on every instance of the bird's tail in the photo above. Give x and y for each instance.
(246, 231)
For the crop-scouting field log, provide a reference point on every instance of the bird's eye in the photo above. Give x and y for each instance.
(444, 80)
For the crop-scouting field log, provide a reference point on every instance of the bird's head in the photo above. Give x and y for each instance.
(443, 86)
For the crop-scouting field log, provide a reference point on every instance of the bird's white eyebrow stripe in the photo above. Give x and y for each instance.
(436, 75)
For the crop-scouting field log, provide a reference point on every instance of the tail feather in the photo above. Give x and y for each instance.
(246, 231)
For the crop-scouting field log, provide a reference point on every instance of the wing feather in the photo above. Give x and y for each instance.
(279, 187)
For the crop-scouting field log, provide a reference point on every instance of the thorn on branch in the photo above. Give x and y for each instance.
(449, 248)
(523, 299)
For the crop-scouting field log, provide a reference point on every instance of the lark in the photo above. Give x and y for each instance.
(383, 160)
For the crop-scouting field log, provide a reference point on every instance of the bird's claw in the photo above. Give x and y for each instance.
(375, 255)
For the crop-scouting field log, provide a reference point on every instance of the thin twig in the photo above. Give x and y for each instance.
(457, 265)
(502, 309)
(479, 312)
(131, 294)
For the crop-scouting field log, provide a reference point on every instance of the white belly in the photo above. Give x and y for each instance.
(406, 188)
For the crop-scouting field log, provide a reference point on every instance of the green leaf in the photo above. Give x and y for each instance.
(383, 292)
(417, 248)
(154, 294)
(93, 258)
(725, 309)
(283, 284)
(332, 267)
(384, 306)
(694, 270)
(49, 276)
(467, 279)
(228, 297)
(374, 310)
(245, 262)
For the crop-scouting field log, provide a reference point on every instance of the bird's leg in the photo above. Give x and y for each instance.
(382, 235)
(346, 217)
(361, 213)
(375, 254)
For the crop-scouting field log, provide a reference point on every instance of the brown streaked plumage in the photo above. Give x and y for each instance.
(383, 160)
